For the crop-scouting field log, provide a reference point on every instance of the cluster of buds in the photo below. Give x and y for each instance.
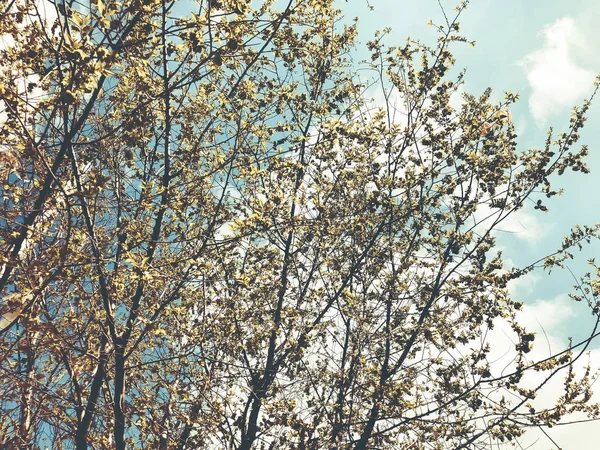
(501, 117)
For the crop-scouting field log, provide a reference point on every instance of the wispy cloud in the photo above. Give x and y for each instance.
(549, 319)
(556, 79)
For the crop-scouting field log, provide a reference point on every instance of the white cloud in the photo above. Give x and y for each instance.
(522, 224)
(549, 319)
(550, 314)
(523, 288)
(525, 225)
(556, 80)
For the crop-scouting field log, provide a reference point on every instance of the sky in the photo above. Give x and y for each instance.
(545, 51)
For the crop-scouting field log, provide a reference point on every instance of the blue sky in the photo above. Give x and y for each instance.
(545, 50)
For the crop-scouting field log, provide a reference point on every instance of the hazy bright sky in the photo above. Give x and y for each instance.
(546, 51)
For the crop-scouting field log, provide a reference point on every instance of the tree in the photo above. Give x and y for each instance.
(212, 239)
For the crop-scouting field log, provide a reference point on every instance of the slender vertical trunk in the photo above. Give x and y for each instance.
(27, 397)
(90, 408)
(368, 431)
(119, 428)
